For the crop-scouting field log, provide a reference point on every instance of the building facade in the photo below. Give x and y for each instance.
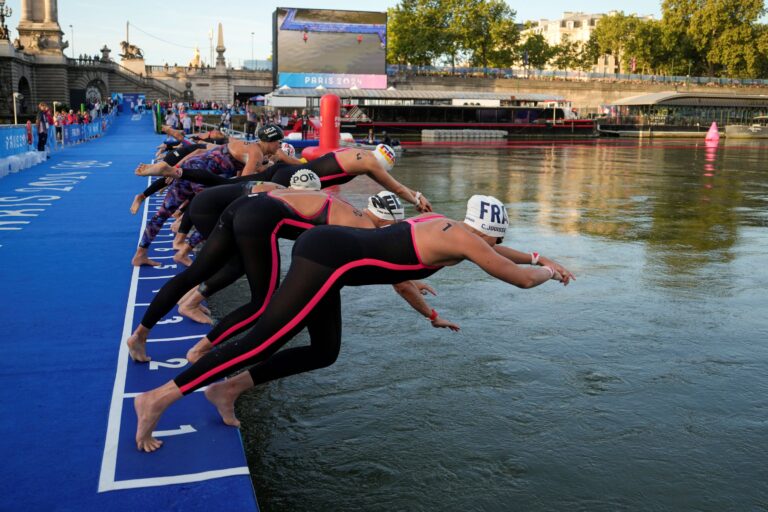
(577, 27)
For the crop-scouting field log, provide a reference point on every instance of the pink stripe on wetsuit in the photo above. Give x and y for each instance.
(230, 326)
(325, 259)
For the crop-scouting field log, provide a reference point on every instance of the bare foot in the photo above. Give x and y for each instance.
(203, 347)
(156, 169)
(177, 134)
(137, 348)
(178, 240)
(143, 170)
(222, 397)
(195, 313)
(182, 256)
(137, 200)
(138, 261)
(141, 258)
(148, 416)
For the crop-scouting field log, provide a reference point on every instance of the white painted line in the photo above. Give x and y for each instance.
(134, 395)
(179, 479)
(183, 429)
(107, 480)
(109, 459)
(180, 338)
(157, 277)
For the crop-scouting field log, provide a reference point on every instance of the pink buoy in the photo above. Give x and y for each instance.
(330, 127)
(713, 135)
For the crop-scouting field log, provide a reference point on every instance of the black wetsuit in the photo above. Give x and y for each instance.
(324, 260)
(326, 167)
(250, 225)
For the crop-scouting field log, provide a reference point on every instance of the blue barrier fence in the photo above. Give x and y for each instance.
(13, 138)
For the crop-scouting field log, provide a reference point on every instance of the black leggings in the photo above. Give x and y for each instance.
(156, 186)
(326, 167)
(175, 156)
(204, 212)
(248, 226)
(324, 260)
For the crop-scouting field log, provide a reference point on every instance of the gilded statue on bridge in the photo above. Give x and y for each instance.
(131, 51)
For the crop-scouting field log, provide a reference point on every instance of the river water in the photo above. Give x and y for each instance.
(643, 385)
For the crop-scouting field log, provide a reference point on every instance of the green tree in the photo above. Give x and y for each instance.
(714, 36)
(538, 50)
(724, 31)
(678, 47)
(588, 54)
(566, 54)
(415, 32)
(642, 44)
(486, 31)
(614, 35)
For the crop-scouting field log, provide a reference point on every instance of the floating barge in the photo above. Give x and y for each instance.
(682, 114)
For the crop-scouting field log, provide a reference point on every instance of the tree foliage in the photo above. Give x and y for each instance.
(698, 37)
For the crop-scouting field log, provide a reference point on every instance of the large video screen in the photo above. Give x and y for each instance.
(335, 49)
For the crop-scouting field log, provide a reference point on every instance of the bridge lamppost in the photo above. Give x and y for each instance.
(5, 12)
(72, 37)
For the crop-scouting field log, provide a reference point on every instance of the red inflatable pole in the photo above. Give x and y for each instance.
(330, 127)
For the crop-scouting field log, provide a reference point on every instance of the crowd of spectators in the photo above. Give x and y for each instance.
(189, 116)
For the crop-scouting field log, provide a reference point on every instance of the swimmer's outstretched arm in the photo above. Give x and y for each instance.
(383, 178)
(282, 156)
(412, 293)
(523, 258)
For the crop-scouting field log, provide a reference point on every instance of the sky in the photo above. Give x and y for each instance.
(168, 31)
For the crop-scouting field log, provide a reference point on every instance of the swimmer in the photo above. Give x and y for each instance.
(334, 168)
(172, 157)
(251, 158)
(325, 259)
(257, 221)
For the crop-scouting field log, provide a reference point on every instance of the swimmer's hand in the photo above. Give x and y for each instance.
(565, 275)
(443, 323)
(424, 205)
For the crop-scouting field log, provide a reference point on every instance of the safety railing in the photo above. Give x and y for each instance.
(19, 143)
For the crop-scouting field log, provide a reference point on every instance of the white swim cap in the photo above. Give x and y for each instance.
(386, 206)
(288, 149)
(385, 156)
(304, 179)
(487, 215)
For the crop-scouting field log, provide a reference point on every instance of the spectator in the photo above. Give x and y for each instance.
(225, 120)
(42, 126)
(171, 120)
(250, 125)
(58, 121)
(199, 122)
(304, 124)
(186, 122)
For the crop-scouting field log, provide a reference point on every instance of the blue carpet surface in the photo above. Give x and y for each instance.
(66, 385)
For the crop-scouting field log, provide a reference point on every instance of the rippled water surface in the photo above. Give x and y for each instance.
(641, 386)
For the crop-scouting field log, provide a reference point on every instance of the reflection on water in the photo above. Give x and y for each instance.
(640, 387)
